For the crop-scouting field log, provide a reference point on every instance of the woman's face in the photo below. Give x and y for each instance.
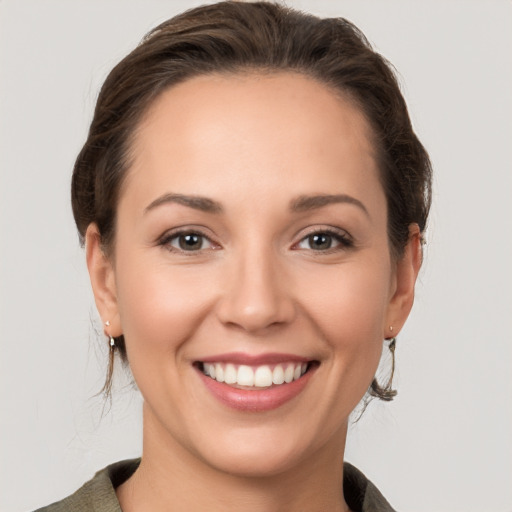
(251, 242)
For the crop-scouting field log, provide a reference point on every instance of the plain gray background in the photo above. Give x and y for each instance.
(445, 444)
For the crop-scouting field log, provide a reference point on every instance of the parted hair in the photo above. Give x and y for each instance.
(240, 37)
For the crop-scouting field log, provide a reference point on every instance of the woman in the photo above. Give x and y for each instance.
(252, 200)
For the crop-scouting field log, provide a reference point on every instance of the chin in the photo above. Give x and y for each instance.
(246, 462)
(259, 452)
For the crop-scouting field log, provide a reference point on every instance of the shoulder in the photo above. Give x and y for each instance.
(98, 494)
(360, 494)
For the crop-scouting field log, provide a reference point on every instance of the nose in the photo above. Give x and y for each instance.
(257, 294)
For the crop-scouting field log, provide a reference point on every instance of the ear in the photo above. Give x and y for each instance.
(102, 276)
(406, 272)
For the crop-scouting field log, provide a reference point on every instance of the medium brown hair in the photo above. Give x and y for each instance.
(237, 37)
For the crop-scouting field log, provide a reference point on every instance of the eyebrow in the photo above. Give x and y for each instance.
(305, 203)
(300, 204)
(197, 202)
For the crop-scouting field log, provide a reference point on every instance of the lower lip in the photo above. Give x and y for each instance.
(256, 400)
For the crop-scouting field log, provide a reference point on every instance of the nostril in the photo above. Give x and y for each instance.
(254, 298)
(252, 318)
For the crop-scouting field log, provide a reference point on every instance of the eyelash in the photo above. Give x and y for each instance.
(342, 238)
(168, 238)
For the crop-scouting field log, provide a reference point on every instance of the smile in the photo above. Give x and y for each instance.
(262, 376)
(255, 384)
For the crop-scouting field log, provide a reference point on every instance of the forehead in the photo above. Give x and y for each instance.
(263, 129)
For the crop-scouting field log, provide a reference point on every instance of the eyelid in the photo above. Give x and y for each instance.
(343, 237)
(165, 239)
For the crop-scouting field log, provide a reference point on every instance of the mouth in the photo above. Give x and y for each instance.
(255, 384)
(257, 377)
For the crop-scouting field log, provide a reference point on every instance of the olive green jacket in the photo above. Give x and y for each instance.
(98, 494)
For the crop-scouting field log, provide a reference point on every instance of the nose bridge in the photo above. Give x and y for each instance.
(257, 296)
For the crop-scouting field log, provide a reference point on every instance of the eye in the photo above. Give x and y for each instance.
(187, 241)
(325, 241)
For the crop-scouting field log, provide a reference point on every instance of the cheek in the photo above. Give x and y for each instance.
(349, 309)
(351, 302)
(159, 306)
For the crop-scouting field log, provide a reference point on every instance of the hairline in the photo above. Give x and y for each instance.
(245, 71)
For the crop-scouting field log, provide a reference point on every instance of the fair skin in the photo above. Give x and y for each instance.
(239, 274)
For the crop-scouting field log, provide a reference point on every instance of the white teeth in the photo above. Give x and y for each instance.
(245, 376)
(219, 373)
(230, 374)
(258, 376)
(288, 373)
(278, 375)
(263, 377)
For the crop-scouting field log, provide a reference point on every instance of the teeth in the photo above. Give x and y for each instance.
(289, 373)
(245, 376)
(219, 372)
(230, 374)
(208, 369)
(278, 375)
(263, 377)
(259, 376)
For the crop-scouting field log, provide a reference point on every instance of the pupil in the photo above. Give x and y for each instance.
(188, 242)
(320, 241)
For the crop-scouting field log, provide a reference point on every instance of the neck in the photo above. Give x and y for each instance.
(169, 474)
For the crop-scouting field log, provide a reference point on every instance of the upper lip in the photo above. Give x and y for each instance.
(254, 360)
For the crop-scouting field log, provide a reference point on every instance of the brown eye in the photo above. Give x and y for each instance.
(320, 241)
(189, 242)
(325, 241)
